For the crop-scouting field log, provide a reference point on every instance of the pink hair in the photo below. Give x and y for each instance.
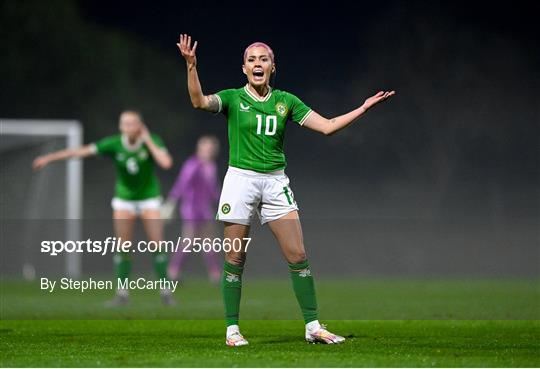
(260, 44)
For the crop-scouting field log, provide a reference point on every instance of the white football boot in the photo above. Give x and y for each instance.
(234, 337)
(319, 334)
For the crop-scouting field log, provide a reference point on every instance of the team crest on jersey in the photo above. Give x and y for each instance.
(281, 109)
(226, 208)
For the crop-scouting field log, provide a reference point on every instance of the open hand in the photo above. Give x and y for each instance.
(377, 98)
(188, 52)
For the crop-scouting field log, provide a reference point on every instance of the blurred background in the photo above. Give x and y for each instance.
(443, 180)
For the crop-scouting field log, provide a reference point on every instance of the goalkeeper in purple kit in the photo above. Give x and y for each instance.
(198, 192)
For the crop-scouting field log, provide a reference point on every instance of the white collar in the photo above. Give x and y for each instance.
(257, 98)
(131, 147)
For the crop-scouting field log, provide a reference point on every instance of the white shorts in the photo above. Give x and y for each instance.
(136, 206)
(246, 192)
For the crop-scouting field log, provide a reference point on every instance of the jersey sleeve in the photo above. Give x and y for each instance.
(224, 98)
(106, 146)
(299, 111)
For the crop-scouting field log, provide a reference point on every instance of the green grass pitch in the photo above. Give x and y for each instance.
(390, 323)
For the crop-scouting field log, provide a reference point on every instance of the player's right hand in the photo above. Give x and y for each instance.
(40, 162)
(377, 98)
(188, 52)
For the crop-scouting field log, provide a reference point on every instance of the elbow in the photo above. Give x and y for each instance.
(329, 129)
(328, 132)
(197, 104)
(166, 164)
(200, 106)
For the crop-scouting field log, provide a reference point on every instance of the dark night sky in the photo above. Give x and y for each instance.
(305, 37)
(316, 24)
(325, 50)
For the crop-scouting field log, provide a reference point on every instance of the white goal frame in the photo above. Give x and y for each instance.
(72, 131)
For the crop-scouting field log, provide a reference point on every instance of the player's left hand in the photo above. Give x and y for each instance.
(377, 98)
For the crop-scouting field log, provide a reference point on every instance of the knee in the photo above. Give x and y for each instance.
(297, 257)
(237, 259)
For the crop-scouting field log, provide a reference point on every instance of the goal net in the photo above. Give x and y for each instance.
(38, 205)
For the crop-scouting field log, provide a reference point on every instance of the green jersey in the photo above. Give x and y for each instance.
(135, 177)
(257, 126)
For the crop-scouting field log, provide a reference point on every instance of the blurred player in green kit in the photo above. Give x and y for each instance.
(135, 151)
(256, 182)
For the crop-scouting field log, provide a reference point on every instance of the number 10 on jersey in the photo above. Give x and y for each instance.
(270, 125)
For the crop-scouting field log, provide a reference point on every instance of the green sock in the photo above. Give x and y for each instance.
(122, 264)
(231, 288)
(304, 289)
(160, 264)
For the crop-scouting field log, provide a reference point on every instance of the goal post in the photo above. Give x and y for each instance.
(72, 132)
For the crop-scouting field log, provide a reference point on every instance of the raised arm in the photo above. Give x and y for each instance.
(328, 127)
(198, 99)
(161, 156)
(81, 152)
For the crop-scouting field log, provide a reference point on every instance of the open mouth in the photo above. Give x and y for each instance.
(258, 74)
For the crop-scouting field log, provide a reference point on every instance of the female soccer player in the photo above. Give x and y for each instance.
(197, 189)
(256, 182)
(137, 191)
